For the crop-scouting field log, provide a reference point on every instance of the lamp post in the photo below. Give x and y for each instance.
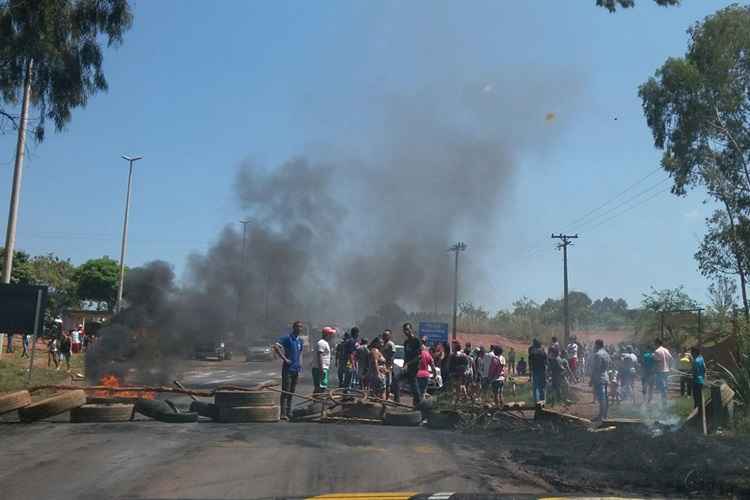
(457, 248)
(130, 160)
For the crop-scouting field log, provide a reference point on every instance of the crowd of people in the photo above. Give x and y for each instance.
(63, 345)
(477, 374)
(379, 367)
(613, 370)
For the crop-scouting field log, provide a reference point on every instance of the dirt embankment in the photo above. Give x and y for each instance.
(637, 462)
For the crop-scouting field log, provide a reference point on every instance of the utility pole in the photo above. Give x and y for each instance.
(457, 248)
(130, 160)
(243, 274)
(565, 241)
(15, 194)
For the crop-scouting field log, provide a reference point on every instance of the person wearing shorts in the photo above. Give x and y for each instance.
(497, 375)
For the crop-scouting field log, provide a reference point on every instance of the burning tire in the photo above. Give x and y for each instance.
(52, 406)
(161, 411)
(14, 401)
(404, 419)
(234, 399)
(249, 414)
(101, 413)
(209, 410)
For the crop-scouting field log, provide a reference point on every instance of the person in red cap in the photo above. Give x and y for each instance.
(322, 360)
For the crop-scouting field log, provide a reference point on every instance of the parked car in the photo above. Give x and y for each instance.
(212, 349)
(258, 353)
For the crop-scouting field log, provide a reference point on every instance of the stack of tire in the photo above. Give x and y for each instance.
(29, 411)
(246, 406)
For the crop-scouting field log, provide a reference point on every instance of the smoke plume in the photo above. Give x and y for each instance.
(332, 237)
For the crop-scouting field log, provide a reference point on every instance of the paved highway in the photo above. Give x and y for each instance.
(148, 459)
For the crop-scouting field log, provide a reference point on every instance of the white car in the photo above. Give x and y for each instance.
(398, 357)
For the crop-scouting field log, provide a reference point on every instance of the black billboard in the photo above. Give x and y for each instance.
(18, 307)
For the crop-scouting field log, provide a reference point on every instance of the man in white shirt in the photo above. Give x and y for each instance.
(322, 360)
(75, 340)
(662, 362)
(572, 351)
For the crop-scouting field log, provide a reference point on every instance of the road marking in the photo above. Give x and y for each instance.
(368, 496)
(440, 496)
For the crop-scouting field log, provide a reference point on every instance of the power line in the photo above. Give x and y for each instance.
(631, 186)
(658, 193)
(598, 217)
(601, 219)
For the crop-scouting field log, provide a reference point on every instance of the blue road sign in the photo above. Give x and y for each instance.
(435, 332)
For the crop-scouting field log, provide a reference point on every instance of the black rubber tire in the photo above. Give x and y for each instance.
(270, 413)
(60, 403)
(403, 419)
(101, 413)
(426, 405)
(234, 399)
(152, 407)
(163, 412)
(203, 409)
(442, 420)
(14, 401)
(177, 418)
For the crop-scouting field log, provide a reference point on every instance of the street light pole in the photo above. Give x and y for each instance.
(130, 160)
(458, 247)
(243, 275)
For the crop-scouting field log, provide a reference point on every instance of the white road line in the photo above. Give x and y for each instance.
(440, 496)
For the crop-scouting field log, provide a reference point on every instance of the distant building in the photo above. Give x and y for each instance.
(91, 320)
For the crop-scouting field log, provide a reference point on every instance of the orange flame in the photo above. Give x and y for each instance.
(113, 381)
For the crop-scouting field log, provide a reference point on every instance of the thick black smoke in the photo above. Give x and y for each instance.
(331, 239)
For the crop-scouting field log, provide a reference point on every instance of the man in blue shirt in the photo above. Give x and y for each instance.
(289, 349)
(699, 376)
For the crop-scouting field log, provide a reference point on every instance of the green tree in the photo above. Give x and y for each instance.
(97, 281)
(611, 5)
(660, 306)
(51, 60)
(722, 294)
(579, 308)
(58, 276)
(697, 107)
(22, 270)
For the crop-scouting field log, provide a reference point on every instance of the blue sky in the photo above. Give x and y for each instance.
(198, 87)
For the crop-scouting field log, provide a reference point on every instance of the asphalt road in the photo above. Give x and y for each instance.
(148, 459)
